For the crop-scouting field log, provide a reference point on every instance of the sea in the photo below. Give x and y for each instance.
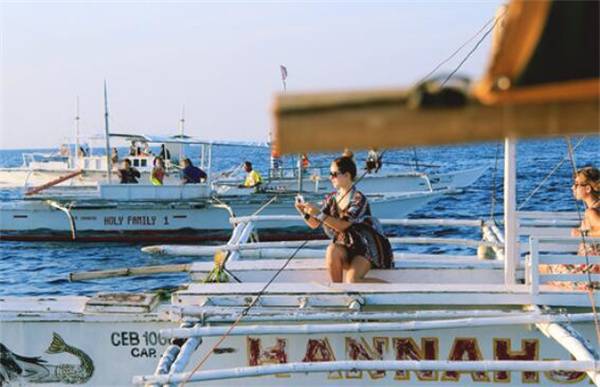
(544, 178)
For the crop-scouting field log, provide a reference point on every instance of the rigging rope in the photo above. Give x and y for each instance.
(541, 184)
(494, 182)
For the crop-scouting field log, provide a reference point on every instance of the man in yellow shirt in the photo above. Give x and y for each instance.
(253, 178)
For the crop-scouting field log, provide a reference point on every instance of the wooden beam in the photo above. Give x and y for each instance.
(361, 120)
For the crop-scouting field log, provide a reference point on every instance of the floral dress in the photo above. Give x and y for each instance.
(365, 236)
(590, 248)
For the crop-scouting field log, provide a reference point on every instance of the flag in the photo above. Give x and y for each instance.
(284, 73)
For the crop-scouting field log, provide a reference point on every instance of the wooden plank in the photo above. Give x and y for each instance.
(331, 122)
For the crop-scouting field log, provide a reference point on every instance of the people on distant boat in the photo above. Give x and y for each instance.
(191, 174)
(81, 152)
(586, 188)
(253, 177)
(305, 161)
(358, 243)
(133, 149)
(127, 173)
(146, 149)
(276, 163)
(114, 158)
(158, 171)
(374, 160)
(164, 153)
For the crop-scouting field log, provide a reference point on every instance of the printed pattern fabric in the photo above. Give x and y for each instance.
(365, 236)
(590, 249)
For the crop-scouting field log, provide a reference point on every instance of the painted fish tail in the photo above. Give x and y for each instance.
(58, 345)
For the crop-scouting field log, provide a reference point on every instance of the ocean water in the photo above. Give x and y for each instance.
(36, 269)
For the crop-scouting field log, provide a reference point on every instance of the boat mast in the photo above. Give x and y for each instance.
(106, 134)
(77, 145)
(181, 130)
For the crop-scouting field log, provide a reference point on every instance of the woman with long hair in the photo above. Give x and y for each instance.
(358, 242)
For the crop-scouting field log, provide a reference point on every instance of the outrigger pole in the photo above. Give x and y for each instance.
(106, 134)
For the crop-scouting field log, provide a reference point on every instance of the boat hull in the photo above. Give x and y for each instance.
(112, 348)
(162, 220)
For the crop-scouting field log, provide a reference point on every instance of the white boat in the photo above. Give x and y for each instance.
(128, 212)
(448, 321)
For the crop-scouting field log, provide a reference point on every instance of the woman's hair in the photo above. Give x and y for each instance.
(590, 176)
(346, 165)
(157, 159)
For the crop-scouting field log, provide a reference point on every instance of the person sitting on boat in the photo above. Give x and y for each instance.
(127, 173)
(253, 177)
(374, 160)
(358, 242)
(146, 149)
(191, 174)
(586, 188)
(133, 149)
(158, 172)
(114, 158)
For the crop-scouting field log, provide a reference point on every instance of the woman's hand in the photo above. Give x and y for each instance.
(311, 210)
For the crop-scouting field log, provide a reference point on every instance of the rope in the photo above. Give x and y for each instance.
(261, 292)
(494, 183)
(541, 184)
(473, 50)
(587, 261)
(455, 52)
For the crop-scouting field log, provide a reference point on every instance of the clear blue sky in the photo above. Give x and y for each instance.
(219, 60)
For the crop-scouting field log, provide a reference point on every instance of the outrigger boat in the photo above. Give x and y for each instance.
(170, 213)
(475, 322)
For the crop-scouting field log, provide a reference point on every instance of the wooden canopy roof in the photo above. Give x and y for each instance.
(542, 80)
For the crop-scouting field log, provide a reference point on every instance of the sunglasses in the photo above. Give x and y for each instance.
(579, 185)
(335, 174)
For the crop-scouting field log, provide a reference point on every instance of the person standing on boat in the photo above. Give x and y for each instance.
(164, 153)
(191, 174)
(158, 172)
(358, 242)
(374, 160)
(253, 177)
(586, 188)
(133, 149)
(114, 158)
(127, 173)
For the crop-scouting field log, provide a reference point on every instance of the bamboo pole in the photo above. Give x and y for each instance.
(125, 272)
(369, 365)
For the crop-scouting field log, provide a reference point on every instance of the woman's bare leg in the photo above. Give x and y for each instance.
(335, 262)
(359, 267)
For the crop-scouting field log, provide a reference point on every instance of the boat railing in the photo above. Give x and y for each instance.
(548, 251)
(489, 246)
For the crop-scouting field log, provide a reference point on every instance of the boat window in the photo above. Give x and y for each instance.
(144, 163)
(136, 162)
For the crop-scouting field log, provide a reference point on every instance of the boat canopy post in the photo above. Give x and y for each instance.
(510, 205)
(209, 169)
(106, 134)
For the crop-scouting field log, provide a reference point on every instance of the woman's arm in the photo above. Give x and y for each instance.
(592, 218)
(331, 222)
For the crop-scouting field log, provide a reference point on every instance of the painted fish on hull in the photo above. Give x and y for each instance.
(17, 368)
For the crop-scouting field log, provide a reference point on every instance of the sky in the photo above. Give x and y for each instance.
(217, 61)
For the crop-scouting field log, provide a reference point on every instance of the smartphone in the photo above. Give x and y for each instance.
(299, 199)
